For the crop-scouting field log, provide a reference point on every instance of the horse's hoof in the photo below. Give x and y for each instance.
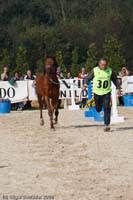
(55, 121)
(42, 122)
(52, 128)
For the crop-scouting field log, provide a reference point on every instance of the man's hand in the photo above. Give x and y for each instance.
(119, 92)
(84, 87)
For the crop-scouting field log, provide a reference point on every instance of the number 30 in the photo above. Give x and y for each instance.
(103, 84)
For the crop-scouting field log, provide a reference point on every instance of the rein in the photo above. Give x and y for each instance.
(61, 83)
(52, 81)
(57, 83)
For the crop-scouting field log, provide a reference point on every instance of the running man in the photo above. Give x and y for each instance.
(102, 75)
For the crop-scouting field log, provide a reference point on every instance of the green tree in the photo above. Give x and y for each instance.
(75, 67)
(60, 61)
(62, 25)
(39, 65)
(92, 54)
(113, 51)
(4, 58)
(21, 60)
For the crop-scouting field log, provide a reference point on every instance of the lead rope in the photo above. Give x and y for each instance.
(61, 83)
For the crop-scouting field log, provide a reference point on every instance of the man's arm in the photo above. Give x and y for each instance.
(3, 77)
(115, 81)
(89, 77)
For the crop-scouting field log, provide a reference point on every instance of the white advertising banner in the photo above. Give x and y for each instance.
(31, 90)
(65, 89)
(127, 84)
(26, 90)
(16, 93)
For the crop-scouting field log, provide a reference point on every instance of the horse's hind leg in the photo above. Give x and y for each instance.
(56, 111)
(50, 111)
(40, 101)
(54, 106)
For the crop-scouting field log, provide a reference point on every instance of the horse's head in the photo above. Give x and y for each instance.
(50, 66)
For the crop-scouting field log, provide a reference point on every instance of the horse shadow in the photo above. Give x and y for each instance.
(3, 166)
(79, 126)
(86, 126)
(96, 126)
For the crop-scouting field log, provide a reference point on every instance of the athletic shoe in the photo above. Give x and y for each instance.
(106, 128)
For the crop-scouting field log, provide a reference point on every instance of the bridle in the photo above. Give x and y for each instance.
(48, 72)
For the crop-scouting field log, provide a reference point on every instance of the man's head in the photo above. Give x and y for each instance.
(83, 70)
(103, 63)
(68, 74)
(29, 73)
(58, 70)
(16, 75)
(124, 69)
(6, 70)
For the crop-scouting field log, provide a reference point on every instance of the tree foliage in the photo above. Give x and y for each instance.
(60, 61)
(75, 66)
(61, 26)
(113, 51)
(92, 57)
(4, 58)
(21, 59)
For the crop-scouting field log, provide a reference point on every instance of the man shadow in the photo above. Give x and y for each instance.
(124, 129)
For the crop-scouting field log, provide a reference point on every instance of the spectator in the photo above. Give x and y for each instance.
(83, 73)
(5, 74)
(17, 77)
(68, 76)
(29, 76)
(18, 106)
(59, 73)
(59, 76)
(124, 72)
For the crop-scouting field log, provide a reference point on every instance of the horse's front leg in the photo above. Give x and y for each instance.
(50, 111)
(41, 107)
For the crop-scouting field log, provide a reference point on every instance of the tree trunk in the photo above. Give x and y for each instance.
(62, 10)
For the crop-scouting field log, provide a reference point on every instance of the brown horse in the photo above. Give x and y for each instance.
(47, 88)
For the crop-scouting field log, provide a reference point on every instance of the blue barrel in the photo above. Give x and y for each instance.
(5, 106)
(128, 99)
(99, 116)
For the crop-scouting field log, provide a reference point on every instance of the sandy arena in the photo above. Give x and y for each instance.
(78, 161)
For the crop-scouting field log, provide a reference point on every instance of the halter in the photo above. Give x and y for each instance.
(49, 73)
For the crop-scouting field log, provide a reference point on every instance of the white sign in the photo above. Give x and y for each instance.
(16, 93)
(25, 90)
(127, 84)
(65, 89)
(31, 90)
